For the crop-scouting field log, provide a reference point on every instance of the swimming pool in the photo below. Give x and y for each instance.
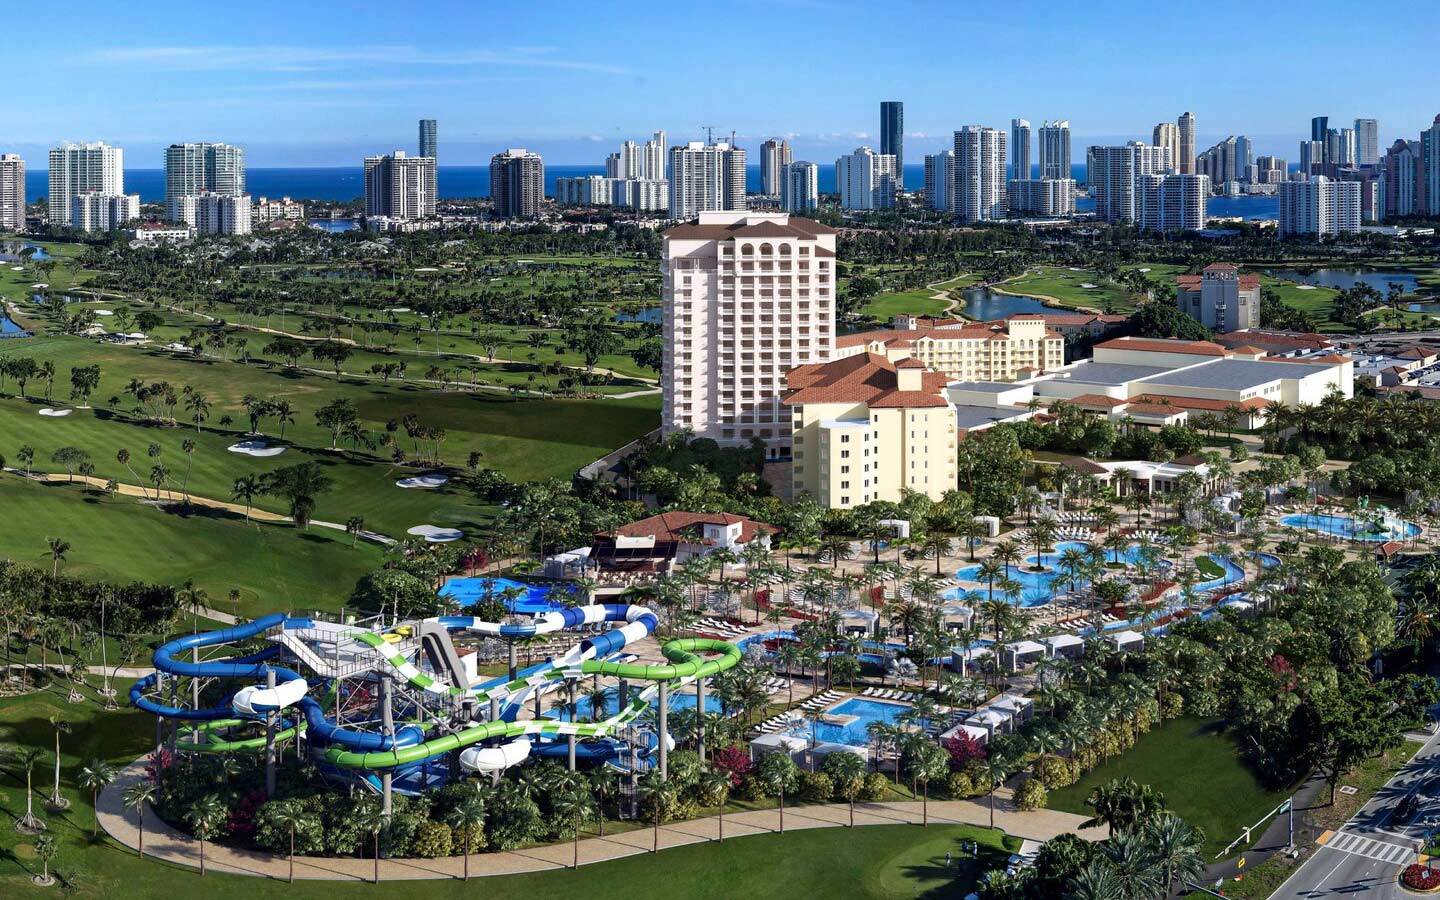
(1346, 527)
(681, 699)
(855, 732)
(1039, 588)
(873, 652)
(469, 591)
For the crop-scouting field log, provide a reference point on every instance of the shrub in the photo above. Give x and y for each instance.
(1421, 878)
(959, 786)
(962, 749)
(432, 840)
(750, 788)
(270, 835)
(1056, 772)
(685, 769)
(1173, 706)
(477, 839)
(734, 760)
(816, 787)
(875, 789)
(1031, 795)
(512, 819)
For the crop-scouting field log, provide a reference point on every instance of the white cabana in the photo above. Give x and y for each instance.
(993, 721)
(1126, 640)
(1019, 708)
(991, 523)
(1068, 646)
(1021, 654)
(567, 565)
(961, 658)
(980, 735)
(901, 527)
(859, 620)
(956, 616)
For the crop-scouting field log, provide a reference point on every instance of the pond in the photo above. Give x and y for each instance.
(1344, 279)
(654, 315)
(984, 304)
(12, 251)
(10, 329)
(335, 226)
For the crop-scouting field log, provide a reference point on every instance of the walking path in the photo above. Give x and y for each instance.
(170, 845)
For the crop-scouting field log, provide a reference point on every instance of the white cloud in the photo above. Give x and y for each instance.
(291, 58)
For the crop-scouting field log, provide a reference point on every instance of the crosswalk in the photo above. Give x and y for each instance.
(1382, 851)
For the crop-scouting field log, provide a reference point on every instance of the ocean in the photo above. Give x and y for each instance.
(343, 183)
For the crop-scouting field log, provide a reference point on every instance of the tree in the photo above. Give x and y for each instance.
(282, 815)
(777, 771)
(137, 797)
(717, 783)
(59, 726)
(45, 851)
(466, 817)
(1164, 320)
(336, 416)
(83, 381)
(848, 771)
(58, 549)
(1176, 845)
(574, 806)
(928, 761)
(649, 354)
(994, 769)
(69, 458)
(300, 485)
(246, 489)
(207, 815)
(661, 794)
(27, 758)
(1123, 805)
(94, 778)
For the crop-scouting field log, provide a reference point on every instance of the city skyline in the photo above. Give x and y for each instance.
(327, 90)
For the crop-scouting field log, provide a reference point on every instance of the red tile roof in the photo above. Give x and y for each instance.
(1163, 345)
(864, 378)
(668, 525)
(1220, 267)
(1276, 339)
(1097, 400)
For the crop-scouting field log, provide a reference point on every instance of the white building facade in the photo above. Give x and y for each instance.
(979, 174)
(706, 178)
(94, 211)
(12, 192)
(94, 168)
(1320, 207)
(398, 186)
(866, 180)
(800, 187)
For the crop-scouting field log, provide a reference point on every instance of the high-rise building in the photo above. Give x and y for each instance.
(775, 155)
(627, 163)
(1172, 202)
(706, 178)
(1167, 135)
(1319, 206)
(866, 180)
(1042, 196)
(398, 186)
(731, 333)
(196, 168)
(1220, 297)
(799, 187)
(892, 136)
(517, 183)
(654, 157)
(94, 211)
(583, 190)
(1271, 169)
(1319, 128)
(1428, 195)
(1340, 149)
(76, 169)
(1186, 163)
(1225, 162)
(212, 213)
(940, 180)
(1054, 149)
(1019, 149)
(1113, 175)
(1367, 141)
(1244, 157)
(1312, 157)
(12, 192)
(979, 174)
(429, 144)
(1402, 178)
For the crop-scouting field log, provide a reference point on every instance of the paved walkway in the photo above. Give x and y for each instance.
(170, 845)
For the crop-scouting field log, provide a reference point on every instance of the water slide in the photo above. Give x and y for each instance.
(408, 749)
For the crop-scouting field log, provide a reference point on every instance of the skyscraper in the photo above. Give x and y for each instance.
(12, 192)
(1221, 163)
(1019, 149)
(94, 211)
(1429, 192)
(775, 155)
(1054, 149)
(799, 187)
(866, 180)
(1186, 163)
(1340, 149)
(705, 178)
(892, 136)
(979, 174)
(731, 336)
(1114, 174)
(940, 180)
(398, 186)
(1319, 206)
(1171, 202)
(1312, 157)
(195, 168)
(653, 163)
(1367, 141)
(1319, 127)
(1167, 135)
(517, 183)
(428, 134)
(78, 169)
(1402, 178)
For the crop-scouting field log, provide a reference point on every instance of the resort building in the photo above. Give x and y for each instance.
(1021, 346)
(746, 298)
(1278, 343)
(863, 428)
(1092, 325)
(267, 210)
(517, 183)
(75, 169)
(660, 543)
(1220, 298)
(12, 192)
(401, 187)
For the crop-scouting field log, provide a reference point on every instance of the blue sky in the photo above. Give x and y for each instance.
(320, 83)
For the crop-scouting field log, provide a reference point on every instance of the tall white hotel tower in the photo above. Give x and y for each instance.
(93, 168)
(747, 297)
(979, 174)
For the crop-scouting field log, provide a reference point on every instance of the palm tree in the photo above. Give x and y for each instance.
(995, 769)
(246, 489)
(465, 817)
(57, 801)
(94, 778)
(1097, 881)
(848, 769)
(661, 793)
(603, 781)
(716, 783)
(287, 814)
(206, 815)
(45, 848)
(27, 758)
(368, 815)
(574, 806)
(58, 549)
(136, 797)
(1176, 845)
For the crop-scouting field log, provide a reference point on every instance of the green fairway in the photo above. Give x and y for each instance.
(522, 438)
(1197, 769)
(275, 567)
(1065, 286)
(887, 862)
(915, 302)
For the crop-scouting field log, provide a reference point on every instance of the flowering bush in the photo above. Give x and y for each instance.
(1421, 878)
(733, 760)
(963, 748)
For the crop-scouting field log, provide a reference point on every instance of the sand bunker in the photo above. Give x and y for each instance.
(423, 481)
(55, 413)
(256, 448)
(436, 535)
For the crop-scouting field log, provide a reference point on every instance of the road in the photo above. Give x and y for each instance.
(1364, 858)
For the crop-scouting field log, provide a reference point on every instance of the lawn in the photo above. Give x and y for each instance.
(1199, 771)
(119, 539)
(521, 438)
(1063, 286)
(1209, 569)
(885, 862)
(1319, 302)
(915, 302)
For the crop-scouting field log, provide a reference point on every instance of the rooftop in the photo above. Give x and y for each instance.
(1108, 374)
(668, 526)
(1163, 345)
(1226, 375)
(865, 378)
